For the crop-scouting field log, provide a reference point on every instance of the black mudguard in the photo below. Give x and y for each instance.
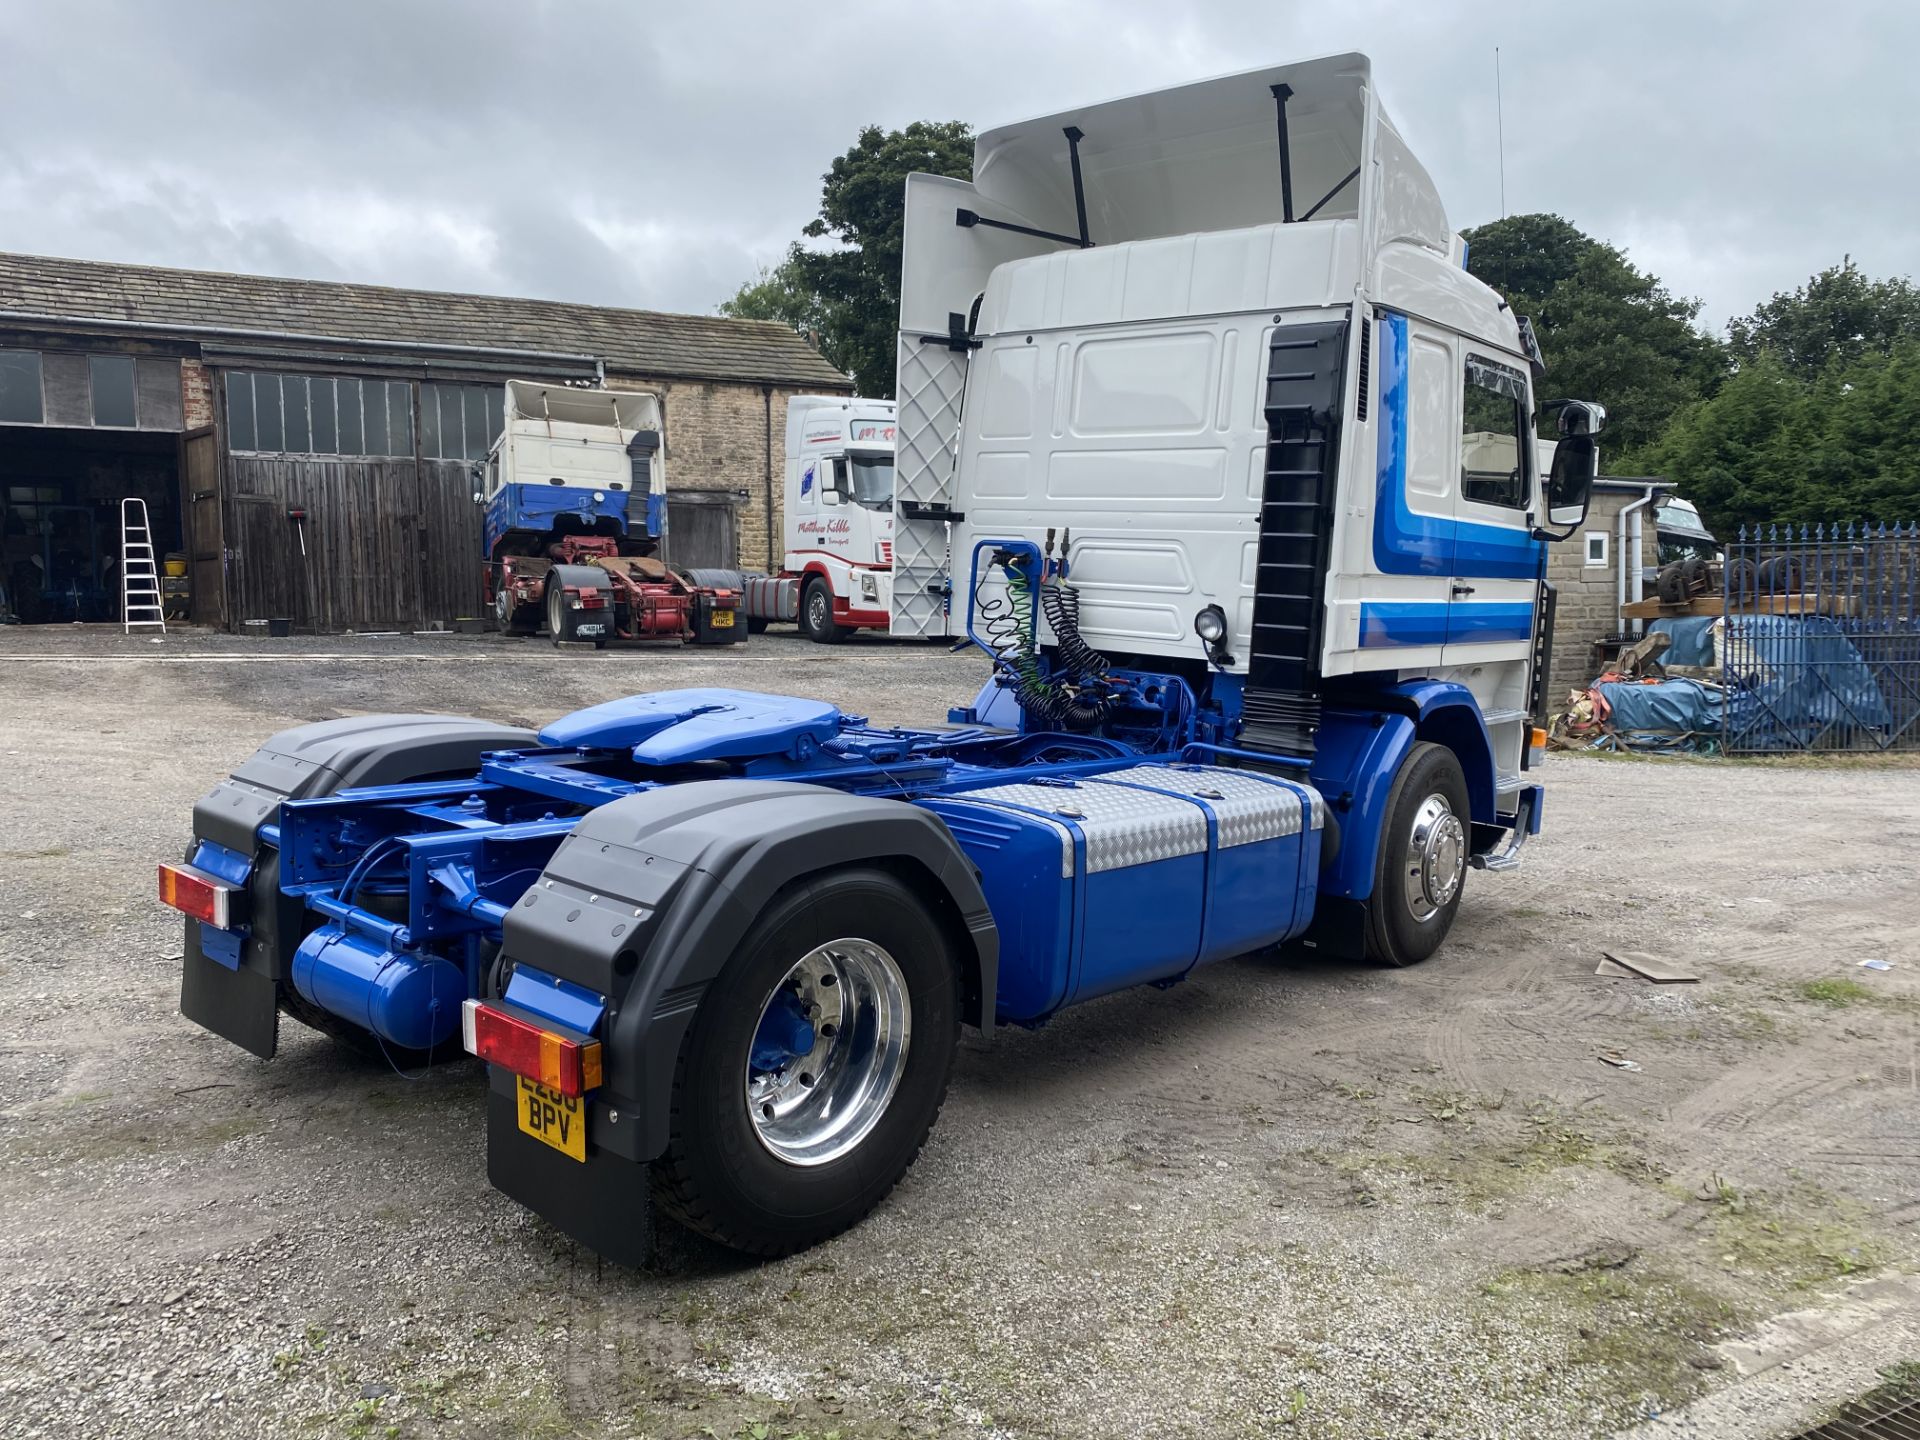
(645, 902)
(305, 763)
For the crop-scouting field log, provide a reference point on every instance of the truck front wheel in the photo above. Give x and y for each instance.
(1422, 869)
(815, 1067)
(816, 613)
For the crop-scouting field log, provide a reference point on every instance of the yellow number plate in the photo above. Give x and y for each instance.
(723, 619)
(553, 1119)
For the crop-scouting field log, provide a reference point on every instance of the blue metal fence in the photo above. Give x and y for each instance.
(1820, 647)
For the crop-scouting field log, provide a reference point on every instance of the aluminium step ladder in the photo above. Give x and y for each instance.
(139, 577)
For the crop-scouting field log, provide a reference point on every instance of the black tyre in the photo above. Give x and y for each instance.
(816, 613)
(561, 621)
(510, 618)
(815, 1067)
(1422, 869)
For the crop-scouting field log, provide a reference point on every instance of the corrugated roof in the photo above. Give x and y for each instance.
(631, 342)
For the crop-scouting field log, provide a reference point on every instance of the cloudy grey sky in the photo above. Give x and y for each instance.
(649, 154)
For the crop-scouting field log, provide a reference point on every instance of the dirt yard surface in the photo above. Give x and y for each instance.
(1287, 1197)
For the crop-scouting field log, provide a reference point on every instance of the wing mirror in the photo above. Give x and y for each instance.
(1576, 463)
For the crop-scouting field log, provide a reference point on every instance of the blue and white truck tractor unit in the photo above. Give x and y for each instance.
(1209, 439)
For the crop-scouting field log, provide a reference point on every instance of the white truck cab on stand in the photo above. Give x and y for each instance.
(837, 570)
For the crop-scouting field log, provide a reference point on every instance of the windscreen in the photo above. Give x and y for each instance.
(871, 480)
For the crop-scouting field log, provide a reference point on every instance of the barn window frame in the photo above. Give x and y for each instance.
(477, 414)
(380, 406)
(38, 389)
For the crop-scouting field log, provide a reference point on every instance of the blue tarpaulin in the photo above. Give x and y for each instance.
(1788, 678)
(1691, 639)
(1792, 677)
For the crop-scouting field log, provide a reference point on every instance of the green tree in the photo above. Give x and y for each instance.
(781, 293)
(1609, 332)
(1774, 446)
(1837, 315)
(849, 293)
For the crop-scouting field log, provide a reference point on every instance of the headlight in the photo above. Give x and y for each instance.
(1211, 625)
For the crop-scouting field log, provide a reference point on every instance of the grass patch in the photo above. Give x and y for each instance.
(1479, 1169)
(1760, 1237)
(1645, 1332)
(1836, 993)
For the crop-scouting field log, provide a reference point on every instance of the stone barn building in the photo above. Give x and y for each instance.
(234, 403)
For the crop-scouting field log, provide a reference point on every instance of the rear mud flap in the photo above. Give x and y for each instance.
(237, 1005)
(603, 1204)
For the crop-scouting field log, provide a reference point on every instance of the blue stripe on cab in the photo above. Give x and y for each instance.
(1416, 622)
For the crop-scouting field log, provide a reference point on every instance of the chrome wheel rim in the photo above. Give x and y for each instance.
(503, 608)
(828, 1051)
(1436, 859)
(817, 608)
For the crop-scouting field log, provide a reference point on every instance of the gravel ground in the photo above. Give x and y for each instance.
(1287, 1197)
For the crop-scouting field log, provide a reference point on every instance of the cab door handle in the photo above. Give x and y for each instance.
(1460, 589)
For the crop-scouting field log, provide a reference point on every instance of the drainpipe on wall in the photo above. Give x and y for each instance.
(1627, 550)
(773, 558)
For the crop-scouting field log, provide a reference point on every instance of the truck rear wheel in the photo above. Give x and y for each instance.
(561, 620)
(815, 1067)
(1422, 869)
(816, 613)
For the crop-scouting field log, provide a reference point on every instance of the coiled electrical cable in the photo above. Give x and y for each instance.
(1060, 603)
(1009, 621)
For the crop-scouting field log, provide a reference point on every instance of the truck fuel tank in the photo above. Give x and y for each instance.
(1137, 874)
(412, 1001)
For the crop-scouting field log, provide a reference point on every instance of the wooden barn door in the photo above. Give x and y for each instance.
(701, 530)
(353, 564)
(205, 534)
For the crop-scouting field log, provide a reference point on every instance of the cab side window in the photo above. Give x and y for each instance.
(1494, 439)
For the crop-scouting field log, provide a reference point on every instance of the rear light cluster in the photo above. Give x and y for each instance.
(588, 599)
(196, 893)
(571, 1067)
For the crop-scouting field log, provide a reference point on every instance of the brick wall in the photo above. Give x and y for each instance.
(716, 439)
(1587, 601)
(196, 393)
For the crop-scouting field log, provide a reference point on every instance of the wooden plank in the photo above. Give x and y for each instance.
(1652, 967)
(1714, 605)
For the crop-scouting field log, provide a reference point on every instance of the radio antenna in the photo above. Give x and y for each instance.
(1500, 121)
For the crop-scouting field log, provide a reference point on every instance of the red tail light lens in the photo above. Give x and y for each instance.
(196, 893)
(571, 1067)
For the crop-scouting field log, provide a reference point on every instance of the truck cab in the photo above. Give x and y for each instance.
(576, 462)
(839, 513)
(1222, 342)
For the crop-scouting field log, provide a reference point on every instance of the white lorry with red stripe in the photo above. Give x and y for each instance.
(837, 573)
